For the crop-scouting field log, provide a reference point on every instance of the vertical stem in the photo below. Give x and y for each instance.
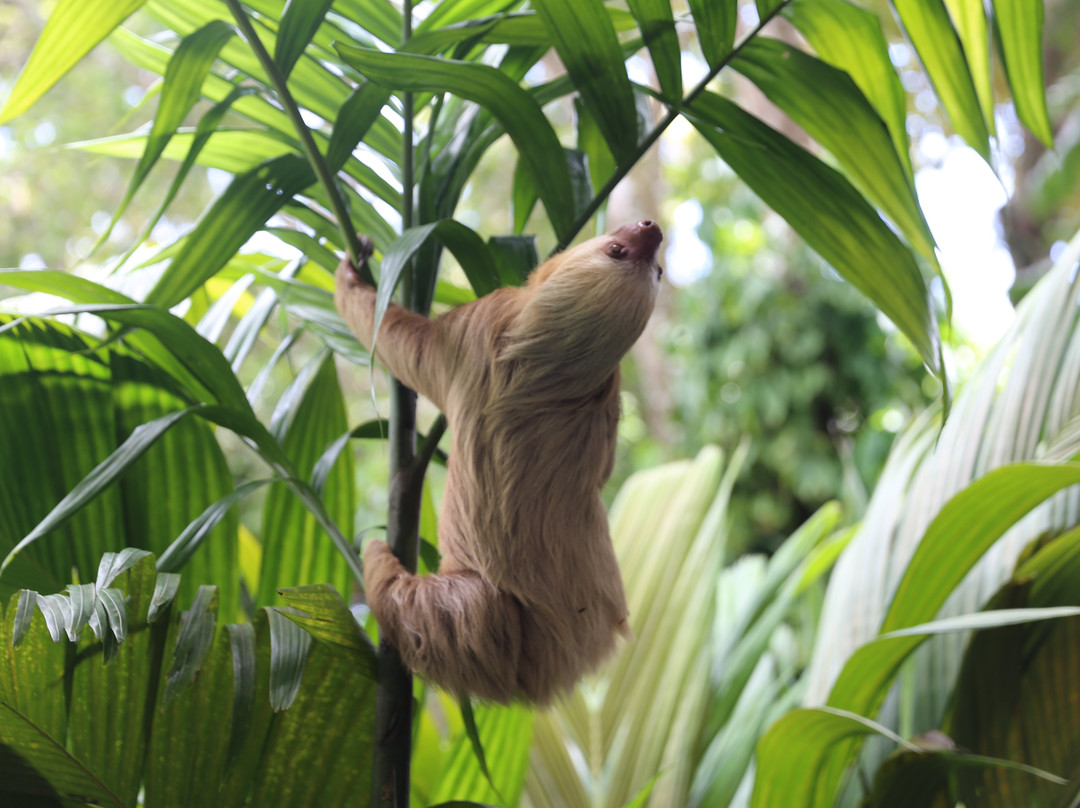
(393, 694)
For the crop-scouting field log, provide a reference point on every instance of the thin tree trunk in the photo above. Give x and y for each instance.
(392, 750)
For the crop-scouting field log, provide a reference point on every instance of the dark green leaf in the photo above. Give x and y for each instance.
(585, 40)
(299, 22)
(514, 108)
(73, 29)
(826, 211)
(289, 647)
(97, 480)
(658, 30)
(42, 767)
(244, 659)
(193, 641)
(715, 22)
(358, 113)
(591, 141)
(185, 545)
(515, 257)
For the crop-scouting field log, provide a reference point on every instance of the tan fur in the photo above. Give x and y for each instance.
(528, 597)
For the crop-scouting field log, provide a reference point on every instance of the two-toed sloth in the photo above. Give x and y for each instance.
(528, 596)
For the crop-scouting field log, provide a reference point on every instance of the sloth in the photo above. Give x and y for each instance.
(528, 596)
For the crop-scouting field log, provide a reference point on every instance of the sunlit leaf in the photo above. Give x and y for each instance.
(1019, 25)
(73, 29)
(228, 223)
(850, 38)
(928, 26)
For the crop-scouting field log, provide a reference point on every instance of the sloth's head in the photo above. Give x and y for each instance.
(588, 305)
(624, 257)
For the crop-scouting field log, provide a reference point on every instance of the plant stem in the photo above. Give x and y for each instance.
(392, 752)
(674, 111)
(307, 141)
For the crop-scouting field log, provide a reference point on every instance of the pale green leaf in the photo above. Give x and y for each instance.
(73, 29)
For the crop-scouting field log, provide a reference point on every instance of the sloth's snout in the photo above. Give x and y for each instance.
(641, 239)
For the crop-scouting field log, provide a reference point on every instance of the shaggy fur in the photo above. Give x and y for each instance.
(528, 597)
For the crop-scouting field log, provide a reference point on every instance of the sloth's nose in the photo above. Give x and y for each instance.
(641, 239)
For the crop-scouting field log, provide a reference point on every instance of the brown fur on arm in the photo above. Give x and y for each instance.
(408, 344)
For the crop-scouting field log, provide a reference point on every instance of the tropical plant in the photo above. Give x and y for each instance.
(979, 513)
(338, 117)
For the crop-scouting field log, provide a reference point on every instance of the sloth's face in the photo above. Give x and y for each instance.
(625, 258)
(636, 245)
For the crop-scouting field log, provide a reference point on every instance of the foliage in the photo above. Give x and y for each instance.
(343, 110)
(947, 523)
(174, 705)
(772, 346)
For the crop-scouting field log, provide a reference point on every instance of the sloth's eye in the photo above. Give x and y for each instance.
(616, 250)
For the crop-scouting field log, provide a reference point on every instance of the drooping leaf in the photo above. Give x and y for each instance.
(850, 38)
(928, 27)
(193, 641)
(296, 551)
(299, 22)
(816, 96)
(184, 77)
(322, 612)
(657, 25)
(289, 646)
(969, 17)
(1018, 25)
(827, 212)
